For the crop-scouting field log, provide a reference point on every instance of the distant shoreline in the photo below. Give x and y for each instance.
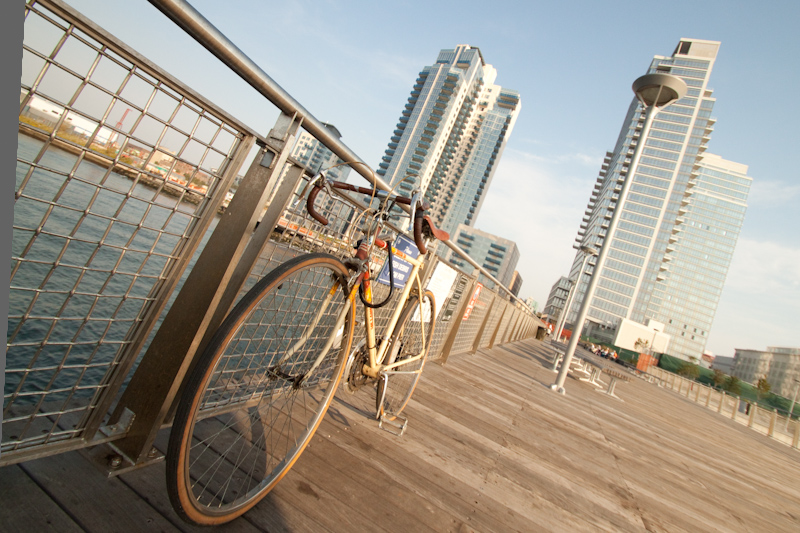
(140, 176)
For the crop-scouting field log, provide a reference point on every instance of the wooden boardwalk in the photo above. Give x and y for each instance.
(488, 448)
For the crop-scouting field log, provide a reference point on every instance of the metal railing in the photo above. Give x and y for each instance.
(122, 172)
(758, 418)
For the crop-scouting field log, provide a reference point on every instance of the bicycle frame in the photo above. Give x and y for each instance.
(378, 354)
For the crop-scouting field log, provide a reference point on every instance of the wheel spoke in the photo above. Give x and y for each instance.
(244, 418)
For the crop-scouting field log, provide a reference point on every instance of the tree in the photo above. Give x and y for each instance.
(641, 344)
(733, 385)
(762, 387)
(719, 378)
(688, 370)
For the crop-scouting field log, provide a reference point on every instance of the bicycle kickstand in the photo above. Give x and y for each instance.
(396, 425)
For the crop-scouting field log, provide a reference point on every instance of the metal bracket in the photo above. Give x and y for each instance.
(108, 458)
(122, 426)
(111, 462)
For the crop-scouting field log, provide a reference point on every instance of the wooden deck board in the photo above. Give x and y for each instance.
(95, 503)
(488, 448)
(36, 511)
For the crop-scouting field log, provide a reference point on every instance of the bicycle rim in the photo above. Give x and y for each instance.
(407, 342)
(245, 417)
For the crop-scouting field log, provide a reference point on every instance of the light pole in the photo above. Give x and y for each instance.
(654, 91)
(562, 320)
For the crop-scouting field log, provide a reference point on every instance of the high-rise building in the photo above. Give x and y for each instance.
(691, 278)
(557, 298)
(671, 250)
(314, 155)
(496, 254)
(451, 134)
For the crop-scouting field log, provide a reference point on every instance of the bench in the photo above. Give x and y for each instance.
(576, 364)
(596, 369)
(614, 375)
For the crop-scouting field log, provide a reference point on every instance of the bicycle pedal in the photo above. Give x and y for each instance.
(396, 427)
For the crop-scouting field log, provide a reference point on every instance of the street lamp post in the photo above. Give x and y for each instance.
(562, 320)
(654, 91)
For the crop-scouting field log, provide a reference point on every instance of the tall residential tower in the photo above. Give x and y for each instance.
(451, 134)
(669, 256)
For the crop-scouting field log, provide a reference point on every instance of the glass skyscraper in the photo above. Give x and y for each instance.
(671, 250)
(451, 134)
(696, 263)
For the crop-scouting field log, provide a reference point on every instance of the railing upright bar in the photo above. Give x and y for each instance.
(158, 378)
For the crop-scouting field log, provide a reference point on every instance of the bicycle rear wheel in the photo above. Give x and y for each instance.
(259, 390)
(396, 390)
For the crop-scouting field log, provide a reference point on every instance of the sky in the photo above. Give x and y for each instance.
(352, 63)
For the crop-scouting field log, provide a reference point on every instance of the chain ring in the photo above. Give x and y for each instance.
(354, 379)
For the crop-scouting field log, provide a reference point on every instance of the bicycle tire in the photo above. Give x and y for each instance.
(244, 417)
(396, 391)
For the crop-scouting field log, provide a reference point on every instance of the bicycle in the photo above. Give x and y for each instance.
(262, 386)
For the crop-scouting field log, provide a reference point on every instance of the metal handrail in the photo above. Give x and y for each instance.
(205, 33)
(197, 26)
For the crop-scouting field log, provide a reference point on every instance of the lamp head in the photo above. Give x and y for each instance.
(659, 90)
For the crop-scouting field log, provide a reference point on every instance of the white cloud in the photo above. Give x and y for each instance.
(760, 303)
(773, 193)
(537, 201)
(765, 269)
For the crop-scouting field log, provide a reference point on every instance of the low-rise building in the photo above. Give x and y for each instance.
(781, 367)
(496, 254)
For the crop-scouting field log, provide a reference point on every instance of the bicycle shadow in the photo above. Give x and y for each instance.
(350, 409)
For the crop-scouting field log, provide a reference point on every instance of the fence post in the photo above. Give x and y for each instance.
(721, 402)
(697, 393)
(708, 398)
(158, 379)
(689, 386)
(497, 328)
(476, 343)
(457, 318)
(796, 437)
(735, 410)
(772, 420)
(753, 409)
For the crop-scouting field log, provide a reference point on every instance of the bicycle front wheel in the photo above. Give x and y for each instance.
(259, 390)
(415, 324)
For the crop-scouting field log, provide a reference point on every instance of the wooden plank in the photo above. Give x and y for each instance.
(149, 483)
(94, 502)
(33, 512)
(342, 491)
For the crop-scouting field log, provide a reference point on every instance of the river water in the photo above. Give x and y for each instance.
(87, 254)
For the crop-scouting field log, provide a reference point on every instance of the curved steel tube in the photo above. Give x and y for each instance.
(196, 25)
